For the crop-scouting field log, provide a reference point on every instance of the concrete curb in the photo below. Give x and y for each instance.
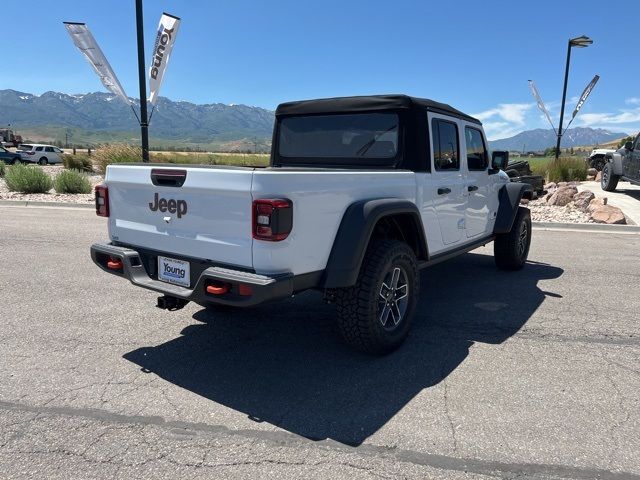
(29, 203)
(587, 227)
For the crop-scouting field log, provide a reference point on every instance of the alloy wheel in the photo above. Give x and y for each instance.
(393, 298)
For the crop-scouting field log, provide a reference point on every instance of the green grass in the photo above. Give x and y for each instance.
(26, 179)
(72, 181)
(567, 169)
(3, 169)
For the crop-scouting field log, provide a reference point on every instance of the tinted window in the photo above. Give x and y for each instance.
(48, 149)
(477, 158)
(38, 149)
(26, 148)
(366, 135)
(445, 145)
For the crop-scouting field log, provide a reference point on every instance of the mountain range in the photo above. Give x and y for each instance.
(52, 113)
(541, 139)
(99, 117)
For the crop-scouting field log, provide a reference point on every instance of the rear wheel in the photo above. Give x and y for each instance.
(609, 180)
(512, 249)
(43, 161)
(375, 314)
(598, 163)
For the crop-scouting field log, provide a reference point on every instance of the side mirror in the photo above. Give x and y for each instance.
(499, 160)
(628, 145)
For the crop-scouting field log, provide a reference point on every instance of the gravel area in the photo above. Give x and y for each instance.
(52, 196)
(542, 212)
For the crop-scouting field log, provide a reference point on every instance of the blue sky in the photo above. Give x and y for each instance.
(475, 55)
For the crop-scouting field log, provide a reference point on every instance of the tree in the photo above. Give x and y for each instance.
(624, 140)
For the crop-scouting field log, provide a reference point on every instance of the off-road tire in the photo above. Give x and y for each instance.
(511, 249)
(609, 180)
(361, 306)
(597, 163)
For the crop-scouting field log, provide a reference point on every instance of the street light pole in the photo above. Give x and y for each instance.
(564, 97)
(580, 42)
(144, 122)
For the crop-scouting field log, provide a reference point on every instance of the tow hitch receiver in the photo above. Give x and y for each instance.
(167, 302)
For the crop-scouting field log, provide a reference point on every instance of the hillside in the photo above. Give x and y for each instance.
(540, 139)
(96, 117)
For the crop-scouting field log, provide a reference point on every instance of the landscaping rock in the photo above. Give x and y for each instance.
(591, 178)
(562, 184)
(598, 176)
(608, 214)
(550, 186)
(592, 171)
(596, 203)
(562, 196)
(524, 201)
(582, 199)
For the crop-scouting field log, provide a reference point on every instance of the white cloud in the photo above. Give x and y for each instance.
(621, 117)
(505, 120)
(632, 101)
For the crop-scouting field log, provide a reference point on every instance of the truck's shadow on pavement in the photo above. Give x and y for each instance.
(285, 363)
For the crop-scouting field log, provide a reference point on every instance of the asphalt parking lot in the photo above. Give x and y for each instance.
(533, 374)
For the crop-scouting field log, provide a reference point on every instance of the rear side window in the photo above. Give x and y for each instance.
(38, 149)
(48, 149)
(342, 136)
(445, 145)
(477, 158)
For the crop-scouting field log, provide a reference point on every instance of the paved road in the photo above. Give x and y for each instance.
(534, 374)
(626, 197)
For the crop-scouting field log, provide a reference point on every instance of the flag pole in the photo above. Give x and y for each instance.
(144, 123)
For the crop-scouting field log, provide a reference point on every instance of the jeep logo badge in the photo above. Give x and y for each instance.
(171, 205)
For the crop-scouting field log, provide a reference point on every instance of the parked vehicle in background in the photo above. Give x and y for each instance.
(8, 137)
(8, 157)
(519, 171)
(597, 158)
(40, 154)
(623, 164)
(361, 193)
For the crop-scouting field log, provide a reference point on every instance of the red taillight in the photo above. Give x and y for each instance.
(272, 219)
(30, 153)
(102, 201)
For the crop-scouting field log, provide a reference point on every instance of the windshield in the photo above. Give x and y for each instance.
(347, 136)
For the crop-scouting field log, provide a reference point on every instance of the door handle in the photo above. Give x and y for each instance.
(444, 191)
(472, 188)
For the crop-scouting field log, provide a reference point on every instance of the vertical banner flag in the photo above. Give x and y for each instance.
(536, 96)
(585, 94)
(166, 37)
(83, 39)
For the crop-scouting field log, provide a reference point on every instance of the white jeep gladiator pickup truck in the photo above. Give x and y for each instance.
(361, 193)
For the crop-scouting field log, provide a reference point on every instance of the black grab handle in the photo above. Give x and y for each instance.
(161, 177)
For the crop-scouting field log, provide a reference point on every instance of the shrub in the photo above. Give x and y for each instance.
(117, 153)
(72, 181)
(24, 179)
(2, 169)
(77, 162)
(566, 169)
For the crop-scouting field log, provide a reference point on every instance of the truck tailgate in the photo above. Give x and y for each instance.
(208, 216)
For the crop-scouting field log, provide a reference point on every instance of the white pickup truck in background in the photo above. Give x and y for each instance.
(361, 193)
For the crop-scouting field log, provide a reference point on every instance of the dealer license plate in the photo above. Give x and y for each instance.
(174, 271)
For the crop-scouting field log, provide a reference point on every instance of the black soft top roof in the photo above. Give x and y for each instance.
(368, 103)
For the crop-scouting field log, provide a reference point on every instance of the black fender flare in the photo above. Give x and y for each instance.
(354, 233)
(509, 197)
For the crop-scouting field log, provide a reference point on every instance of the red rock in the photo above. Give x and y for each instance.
(608, 214)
